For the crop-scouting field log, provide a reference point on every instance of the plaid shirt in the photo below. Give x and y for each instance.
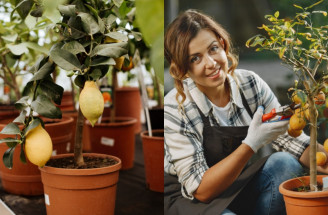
(183, 140)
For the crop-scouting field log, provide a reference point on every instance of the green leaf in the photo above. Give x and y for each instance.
(11, 128)
(44, 71)
(311, 6)
(23, 8)
(79, 81)
(297, 6)
(89, 23)
(37, 12)
(103, 61)
(11, 142)
(137, 35)
(36, 47)
(74, 47)
(95, 74)
(22, 103)
(118, 3)
(8, 158)
(117, 36)
(22, 155)
(113, 50)
(52, 90)
(43, 106)
(101, 24)
(21, 117)
(157, 56)
(18, 49)
(110, 19)
(10, 37)
(65, 59)
(150, 18)
(67, 10)
(33, 124)
(276, 14)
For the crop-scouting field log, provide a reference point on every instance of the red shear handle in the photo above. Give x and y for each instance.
(270, 115)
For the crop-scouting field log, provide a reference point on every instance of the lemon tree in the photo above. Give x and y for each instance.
(302, 44)
(84, 51)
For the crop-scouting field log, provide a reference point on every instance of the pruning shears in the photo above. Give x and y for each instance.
(285, 112)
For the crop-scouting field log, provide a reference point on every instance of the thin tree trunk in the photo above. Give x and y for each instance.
(114, 86)
(313, 145)
(78, 145)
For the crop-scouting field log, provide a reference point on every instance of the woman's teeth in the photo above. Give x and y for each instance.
(215, 73)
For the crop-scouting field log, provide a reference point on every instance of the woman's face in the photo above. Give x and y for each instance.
(208, 61)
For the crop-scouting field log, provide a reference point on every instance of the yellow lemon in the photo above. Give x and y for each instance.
(325, 145)
(38, 146)
(321, 158)
(297, 122)
(294, 133)
(91, 102)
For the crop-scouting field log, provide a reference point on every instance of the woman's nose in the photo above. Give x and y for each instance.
(209, 62)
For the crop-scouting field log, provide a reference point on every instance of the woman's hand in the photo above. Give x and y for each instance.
(305, 159)
(259, 134)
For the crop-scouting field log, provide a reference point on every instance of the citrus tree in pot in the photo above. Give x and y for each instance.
(19, 51)
(84, 52)
(302, 44)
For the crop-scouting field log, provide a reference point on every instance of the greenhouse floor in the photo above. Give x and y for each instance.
(132, 195)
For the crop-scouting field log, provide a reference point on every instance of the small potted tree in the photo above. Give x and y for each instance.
(18, 52)
(69, 180)
(302, 44)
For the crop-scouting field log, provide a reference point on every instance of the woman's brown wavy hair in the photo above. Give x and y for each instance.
(176, 45)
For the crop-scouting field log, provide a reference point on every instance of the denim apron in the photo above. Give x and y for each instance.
(219, 142)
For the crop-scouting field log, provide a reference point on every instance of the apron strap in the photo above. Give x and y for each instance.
(245, 103)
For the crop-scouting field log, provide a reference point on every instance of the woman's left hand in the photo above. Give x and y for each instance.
(305, 159)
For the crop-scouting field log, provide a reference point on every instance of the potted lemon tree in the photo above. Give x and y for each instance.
(302, 43)
(69, 180)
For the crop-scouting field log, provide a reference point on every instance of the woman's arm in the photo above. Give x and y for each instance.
(305, 159)
(220, 176)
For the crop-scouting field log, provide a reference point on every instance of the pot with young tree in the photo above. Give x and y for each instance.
(302, 44)
(69, 180)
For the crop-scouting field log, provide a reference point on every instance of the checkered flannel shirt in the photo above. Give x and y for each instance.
(183, 140)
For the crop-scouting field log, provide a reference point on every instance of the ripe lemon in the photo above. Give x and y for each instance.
(38, 146)
(294, 133)
(320, 98)
(91, 102)
(321, 158)
(295, 98)
(297, 122)
(325, 145)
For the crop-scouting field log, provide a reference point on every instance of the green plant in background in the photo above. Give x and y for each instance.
(302, 44)
(19, 44)
(94, 39)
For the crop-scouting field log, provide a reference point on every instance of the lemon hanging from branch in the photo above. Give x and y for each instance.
(91, 102)
(38, 146)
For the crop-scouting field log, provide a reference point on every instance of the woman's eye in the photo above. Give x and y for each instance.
(214, 49)
(194, 59)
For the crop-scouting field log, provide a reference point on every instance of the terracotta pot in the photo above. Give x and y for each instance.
(153, 150)
(67, 102)
(128, 103)
(80, 191)
(22, 179)
(116, 139)
(25, 179)
(305, 203)
(8, 112)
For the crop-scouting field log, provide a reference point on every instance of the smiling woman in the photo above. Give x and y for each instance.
(213, 127)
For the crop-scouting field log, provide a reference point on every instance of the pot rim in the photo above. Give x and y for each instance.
(93, 171)
(127, 121)
(286, 192)
(145, 134)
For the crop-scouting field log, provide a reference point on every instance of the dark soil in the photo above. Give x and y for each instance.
(90, 163)
(306, 188)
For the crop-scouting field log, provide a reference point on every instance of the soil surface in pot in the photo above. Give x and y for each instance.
(90, 163)
(306, 188)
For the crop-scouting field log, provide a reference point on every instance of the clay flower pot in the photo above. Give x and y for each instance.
(128, 104)
(117, 138)
(306, 203)
(25, 179)
(153, 149)
(80, 191)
